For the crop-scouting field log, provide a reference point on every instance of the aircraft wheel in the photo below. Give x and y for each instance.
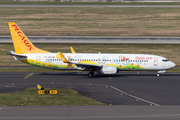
(157, 75)
(91, 74)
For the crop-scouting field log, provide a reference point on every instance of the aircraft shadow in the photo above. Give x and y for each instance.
(118, 75)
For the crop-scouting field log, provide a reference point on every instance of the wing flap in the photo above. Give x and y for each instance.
(88, 66)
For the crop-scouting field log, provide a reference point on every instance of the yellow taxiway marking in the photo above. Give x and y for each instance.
(28, 75)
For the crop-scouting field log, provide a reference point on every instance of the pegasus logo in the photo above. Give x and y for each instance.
(23, 38)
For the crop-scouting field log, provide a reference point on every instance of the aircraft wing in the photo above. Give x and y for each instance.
(81, 66)
(87, 66)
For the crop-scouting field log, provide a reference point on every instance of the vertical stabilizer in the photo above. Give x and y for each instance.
(22, 44)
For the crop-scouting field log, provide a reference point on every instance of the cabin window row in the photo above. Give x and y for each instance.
(100, 60)
(130, 61)
(109, 60)
(53, 60)
(90, 60)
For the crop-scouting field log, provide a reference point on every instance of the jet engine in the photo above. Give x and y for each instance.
(108, 70)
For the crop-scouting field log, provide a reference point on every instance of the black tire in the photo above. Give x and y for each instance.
(91, 74)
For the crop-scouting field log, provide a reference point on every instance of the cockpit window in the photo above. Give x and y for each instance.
(165, 60)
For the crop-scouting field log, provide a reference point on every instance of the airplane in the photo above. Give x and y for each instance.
(106, 64)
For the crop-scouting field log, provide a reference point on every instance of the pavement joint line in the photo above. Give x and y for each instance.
(134, 96)
(140, 116)
(28, 75)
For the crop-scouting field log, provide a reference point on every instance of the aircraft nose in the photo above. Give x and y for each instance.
(173, 64)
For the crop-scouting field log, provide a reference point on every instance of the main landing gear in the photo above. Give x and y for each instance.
(157, 74)
(91, 74)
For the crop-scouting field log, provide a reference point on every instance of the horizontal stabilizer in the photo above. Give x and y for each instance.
(16, 55)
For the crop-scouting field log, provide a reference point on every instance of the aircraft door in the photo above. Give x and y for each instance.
(155, 62)
(38, 59)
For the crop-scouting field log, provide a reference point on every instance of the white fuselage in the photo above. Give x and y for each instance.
(121, 61)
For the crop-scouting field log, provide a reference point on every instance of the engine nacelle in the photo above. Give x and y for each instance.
(108, 70)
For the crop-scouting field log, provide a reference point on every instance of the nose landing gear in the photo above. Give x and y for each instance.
(160, 72)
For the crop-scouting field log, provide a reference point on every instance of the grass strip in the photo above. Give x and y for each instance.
(30, 97)
(92, 21)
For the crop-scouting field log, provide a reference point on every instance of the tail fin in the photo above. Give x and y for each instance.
(22, 44)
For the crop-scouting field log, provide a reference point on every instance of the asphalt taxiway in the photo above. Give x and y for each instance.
(123, 89)
(128, 95)
(90, 112)
(97, 39)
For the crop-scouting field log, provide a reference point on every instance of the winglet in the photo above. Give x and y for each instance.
(63, 58)
(72, 50)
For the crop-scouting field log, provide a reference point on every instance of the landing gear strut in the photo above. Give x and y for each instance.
(91, 74)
